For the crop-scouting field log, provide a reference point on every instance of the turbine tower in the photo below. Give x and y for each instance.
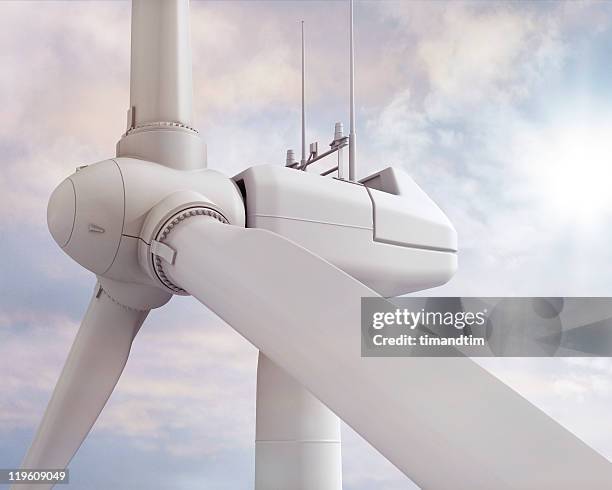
(284, 257)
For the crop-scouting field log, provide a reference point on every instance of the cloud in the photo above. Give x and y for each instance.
(479, 102)
(29, 367)
(189, 388)
(189, 375)
(66, 77)
(364, 468)
(483, 127)
(574, 391)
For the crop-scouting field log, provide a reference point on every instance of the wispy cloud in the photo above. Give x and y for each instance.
(498, 110)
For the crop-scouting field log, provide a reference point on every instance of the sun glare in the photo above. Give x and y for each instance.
(571, 169)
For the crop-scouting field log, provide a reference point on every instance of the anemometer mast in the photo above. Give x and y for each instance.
(352, 137)
(303, 161)
(339, 141)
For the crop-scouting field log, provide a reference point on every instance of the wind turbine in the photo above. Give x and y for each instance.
(284, 257)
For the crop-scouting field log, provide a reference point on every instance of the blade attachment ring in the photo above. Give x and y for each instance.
(167, 228)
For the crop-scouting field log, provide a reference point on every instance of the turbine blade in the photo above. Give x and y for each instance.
(95, 362)
(445, 422)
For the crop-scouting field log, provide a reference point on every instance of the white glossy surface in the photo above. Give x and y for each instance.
(408, 217)
(336, 220)
(147, 183)
(444, 422)
(175, 148)
(286, 193)
(388, 269)
(113, 200)
(92, 369)
(99, 216)
(61, 212)
(160, 76)
(298, 466)
(297, 437)
(160, 115)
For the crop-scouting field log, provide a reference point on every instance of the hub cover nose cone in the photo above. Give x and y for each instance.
(61, 212)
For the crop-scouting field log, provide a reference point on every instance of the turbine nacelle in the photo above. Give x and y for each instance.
(385, 231)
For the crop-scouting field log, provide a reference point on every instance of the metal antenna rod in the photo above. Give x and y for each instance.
(352, 136)
(303, 161)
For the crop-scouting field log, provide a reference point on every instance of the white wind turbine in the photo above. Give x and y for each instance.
(284, 257)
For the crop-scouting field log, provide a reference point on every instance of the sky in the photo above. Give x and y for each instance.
(501, 111)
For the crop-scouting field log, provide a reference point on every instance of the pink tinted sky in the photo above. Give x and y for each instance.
(501, 111)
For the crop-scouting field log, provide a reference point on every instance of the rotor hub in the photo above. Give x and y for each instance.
(112, 217)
